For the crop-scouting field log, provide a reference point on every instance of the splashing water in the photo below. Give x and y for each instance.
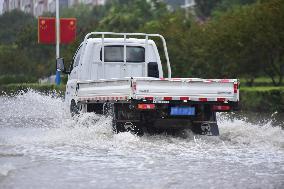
(39, 140)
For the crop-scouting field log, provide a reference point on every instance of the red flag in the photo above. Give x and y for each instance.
(67, 30)
(46, 30)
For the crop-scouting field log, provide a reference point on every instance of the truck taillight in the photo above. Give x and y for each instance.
(149, 98)
(236, 86)
(146, 106)
(221, 108)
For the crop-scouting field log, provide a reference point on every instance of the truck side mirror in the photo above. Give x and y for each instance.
(60, 65)
(153, 70)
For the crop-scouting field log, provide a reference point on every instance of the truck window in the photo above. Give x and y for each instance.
(77, 57)
(135, 54)
(115, 54)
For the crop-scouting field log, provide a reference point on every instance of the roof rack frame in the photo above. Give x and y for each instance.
(103, 34)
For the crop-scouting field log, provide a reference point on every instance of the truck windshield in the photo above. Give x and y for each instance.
(115, 54)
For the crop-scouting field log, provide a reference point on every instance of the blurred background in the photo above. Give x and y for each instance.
(211, 39)
(41, 146)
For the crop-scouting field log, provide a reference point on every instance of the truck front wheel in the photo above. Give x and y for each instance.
(74, 108)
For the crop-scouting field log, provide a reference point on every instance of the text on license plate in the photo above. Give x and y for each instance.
(182, 110)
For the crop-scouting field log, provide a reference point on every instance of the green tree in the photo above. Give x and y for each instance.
(130, 15)
(246, 41)
(204, 8)
(174, 27)
(11, 23)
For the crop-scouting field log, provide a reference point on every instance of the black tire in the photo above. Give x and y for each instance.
(120, 126)
(116, 126)
(74, 108)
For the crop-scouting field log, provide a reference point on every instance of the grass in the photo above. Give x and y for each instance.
(262, 98)
(262, 88)
(260, 81)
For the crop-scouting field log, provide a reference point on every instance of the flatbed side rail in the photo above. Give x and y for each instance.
(130, 91)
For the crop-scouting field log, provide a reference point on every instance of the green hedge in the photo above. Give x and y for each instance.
(262, 99)
(44, 88)
(8, 79)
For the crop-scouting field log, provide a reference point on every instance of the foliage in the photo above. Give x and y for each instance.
(130, 15)
(8, 79)
(266, 99)
(245, 42)
(11, 23)
(204, 8)
(174, 28)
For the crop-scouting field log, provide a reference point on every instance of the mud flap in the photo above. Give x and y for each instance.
(209, 128)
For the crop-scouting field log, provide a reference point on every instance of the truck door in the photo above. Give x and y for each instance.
(73, 77)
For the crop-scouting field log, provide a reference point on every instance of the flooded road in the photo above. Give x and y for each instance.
(42, 147)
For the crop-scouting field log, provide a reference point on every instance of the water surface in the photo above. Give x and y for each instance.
(42, 147)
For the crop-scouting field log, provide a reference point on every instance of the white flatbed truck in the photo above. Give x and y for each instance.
(124, 77)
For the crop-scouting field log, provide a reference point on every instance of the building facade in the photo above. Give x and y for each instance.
(9, 5)
(87, 2)
(27, 6)
(51, 5)
(38, 7)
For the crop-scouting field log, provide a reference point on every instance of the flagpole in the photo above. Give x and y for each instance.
(57, 79)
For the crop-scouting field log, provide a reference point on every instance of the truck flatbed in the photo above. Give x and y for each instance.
(157, 90)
